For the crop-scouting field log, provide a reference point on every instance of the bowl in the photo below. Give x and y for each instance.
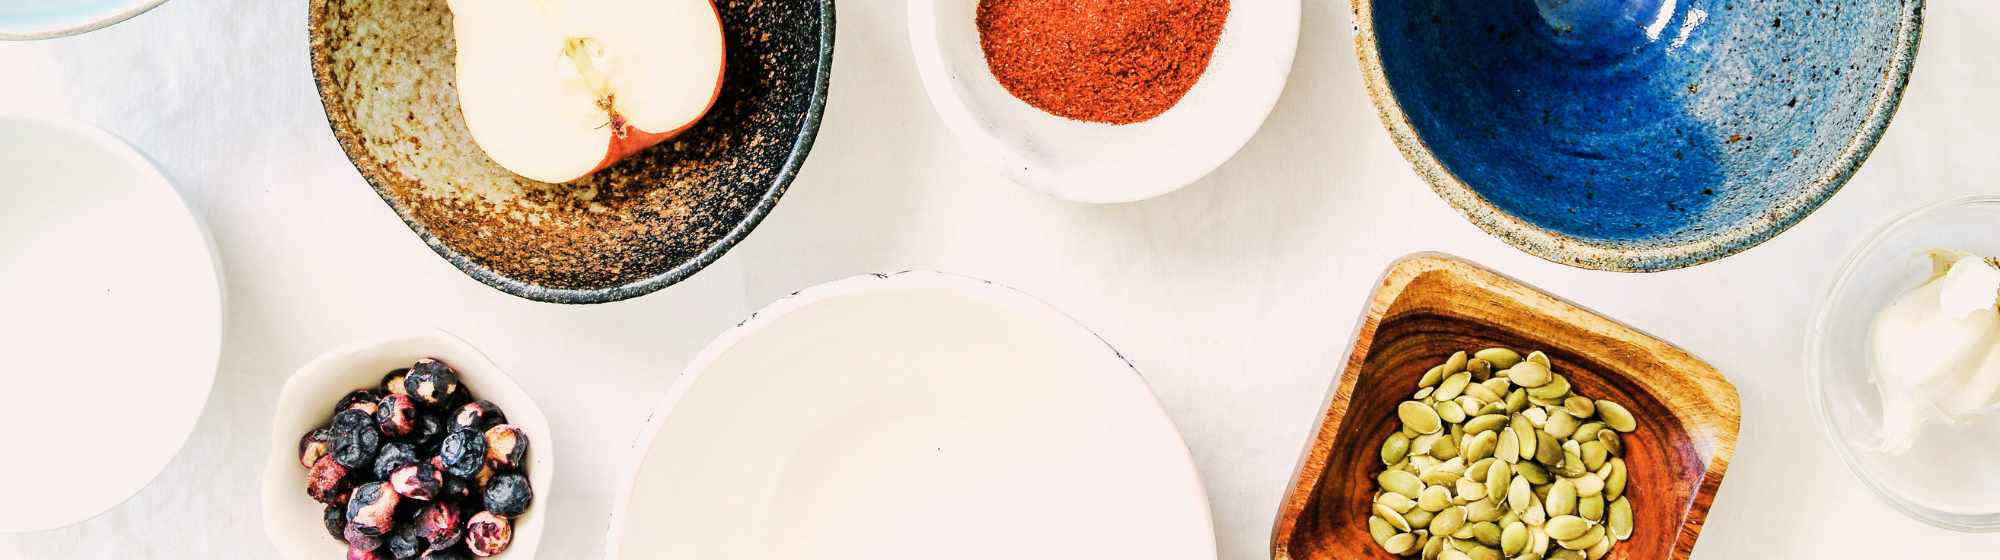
(1930, 483)
(292, 520)
(385, 73)
(911, 415)
(1092, 162)
(1637, 135)
(40, 19)
(1428, 306)
(112, 315)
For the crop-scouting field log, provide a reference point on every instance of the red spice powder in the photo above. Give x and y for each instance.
(1108, 61)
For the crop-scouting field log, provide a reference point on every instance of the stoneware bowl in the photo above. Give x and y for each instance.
(911, 415)
(292, 520)
(1428, 306)
(1636, 135)
(1091, 162)
(386, 76)
(43, 19)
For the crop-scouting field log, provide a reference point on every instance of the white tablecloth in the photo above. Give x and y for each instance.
(1235, 297)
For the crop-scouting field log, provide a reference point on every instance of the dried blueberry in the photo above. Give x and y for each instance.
(395, 415)
(371, 509)
(394, 456)
(477, 415)
(324, 481)
(355, 439)
(508, 494)
(429, 430)
(506, 447)
(453, 553)
(431, 383)
(440, 524)
(313, 446)
(335, 518)
(392, 382)
(360, 554)
(488, 534)
(361, 399)
(419, 481)
(456, 488)
(463, 452)
(406, 543)
(359, 540)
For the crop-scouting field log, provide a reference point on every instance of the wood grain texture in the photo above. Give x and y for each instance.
(1428, 306)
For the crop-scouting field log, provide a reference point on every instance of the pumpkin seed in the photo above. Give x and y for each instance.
(1587, 431)
(1567, 555)
(1395, 449)
(1418, 417)
(1591, 508)
(1437, 477)
(1616, 416)
(1481, 369)
(1434, 499)
(1449, 412)
(1556, 389)
(1589, 485)
(1456, 363)
(1450, 554)
(1620, 519)
(1599, 550)
(1398, 502)
(1401, 544)
(1562, 498)
(1540, 358)
(1612, 441)
(1529, 374)
(1580, 407)
(1486, 533)
(1563, 527)
(1589, 538)
(1513, 538)
(1537, 417)
(1379, 529)
(1501, 358)
(1445, 448)
(1560, 424)
(1401, 483)
(1423, 393)
(1614, 485)
(1508, 447)
(1498, 476)
(1483, 393)
(1453, 385)
(1431, 377)
(1546, 449)
(1535, 473)
(1519, 496)
(1395, 519)
(1447, 521)
(1517, 400)
(1419, 518)
(1482, 510)
(1594, 455)
(1479, 446)
(1468, 491)
(1525, 431)
(1485, 423)
(1432, 548)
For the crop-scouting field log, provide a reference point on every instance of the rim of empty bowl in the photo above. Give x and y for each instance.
(808, 132)
(1573, 251)
(1816, 373)
(93, 22)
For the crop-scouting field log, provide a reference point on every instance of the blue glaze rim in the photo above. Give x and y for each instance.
(1599, 255)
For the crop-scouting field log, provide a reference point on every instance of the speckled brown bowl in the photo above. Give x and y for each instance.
(385, 73)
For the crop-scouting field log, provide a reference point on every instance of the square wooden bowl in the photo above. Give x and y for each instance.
(1430, 305)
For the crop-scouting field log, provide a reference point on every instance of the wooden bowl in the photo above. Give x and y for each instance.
(1429, 306)
(386, 74)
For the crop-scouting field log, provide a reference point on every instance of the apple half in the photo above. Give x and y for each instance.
(555, 90)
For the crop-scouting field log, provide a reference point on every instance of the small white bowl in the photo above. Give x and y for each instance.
(292, 520)
(912, 415)
(1091, 162)
(45, 19)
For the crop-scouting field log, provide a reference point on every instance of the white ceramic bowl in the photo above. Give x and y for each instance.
(1090, 162)
(915, 415)
(44, 19)
(293, 521)
(109, 293)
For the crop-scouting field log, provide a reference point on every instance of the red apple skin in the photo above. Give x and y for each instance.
(633, 140)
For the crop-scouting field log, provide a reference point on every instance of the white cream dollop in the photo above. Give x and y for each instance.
(1937, 350)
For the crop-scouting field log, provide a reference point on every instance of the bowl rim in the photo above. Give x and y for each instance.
(1598, 255)
(281, 459)
(940, 81)
(322, 71)
(102, 18)
(759, 320)
(1714, 390)
(1816, 346)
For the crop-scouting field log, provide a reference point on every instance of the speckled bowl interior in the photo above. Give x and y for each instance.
(385, 73)
(1637, 135)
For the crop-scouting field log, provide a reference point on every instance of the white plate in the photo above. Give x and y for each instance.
(43, 19)
(911, 416)
(292, 520)
(1090, 162)
(110, 322)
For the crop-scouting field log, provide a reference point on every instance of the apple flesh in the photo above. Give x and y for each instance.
(555, 90)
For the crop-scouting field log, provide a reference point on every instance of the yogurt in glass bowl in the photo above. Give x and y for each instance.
(1935, 469)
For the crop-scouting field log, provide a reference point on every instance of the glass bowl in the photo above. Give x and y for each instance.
(1946, 478)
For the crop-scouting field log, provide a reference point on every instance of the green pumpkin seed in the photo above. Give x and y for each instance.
(1555, 390)
(1431, 377)
(1616, 417)
(1456, 363)
(1479, 446)
(1468, 490)
(1529, 374)
(1519, 496)
(1398, 502)
(1401, 483)
(1525, 431)
(1567, 555)
(1599, 550)
(1483, 393)
(1447, 521)
(1614, 485)
(1453, 385)
(1401, 544)
(1508, 447)
(1560, 424)
(1486, 533)
(1449, 554)
(1501, 358)
(1485, 423)
(1445, 448)
(1537, 417)
(1395, 519)
(1564, 527)
(1612, 441)
(1424, 393)
(1418, 417)
(1580, 407)
(1436, 477)
(1594, 455)
(1540, 358)
(1514, 538)
(1589, 485)
(1517, 400)
(1449, 412)
(1432, 548)
(1620, 519)
(1395, 449)
(1481, 369)
(1379, 529)
(1587, 432)
(1591, 508)
(1546, 449)
(1535, 473)
(1434, 499)
(1561, 499)
(1498, 476)
(1483, 510)
(1589, 538)
(1418, 518)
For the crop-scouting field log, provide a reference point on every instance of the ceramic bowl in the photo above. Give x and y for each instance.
(292, 520)
(1429, 306)
(42, 19)
(1636, 135)
(1091, 162)
(1929, 482)
(911, 415)
(385, 72)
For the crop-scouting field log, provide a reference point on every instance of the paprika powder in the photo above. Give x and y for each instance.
(1107, 61)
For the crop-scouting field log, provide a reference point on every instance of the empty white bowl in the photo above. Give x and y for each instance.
(292, 520)
(44, 19)
(1091, 162)
(907, 416)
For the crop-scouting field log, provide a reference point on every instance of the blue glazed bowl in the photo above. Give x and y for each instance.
(1636, 135)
